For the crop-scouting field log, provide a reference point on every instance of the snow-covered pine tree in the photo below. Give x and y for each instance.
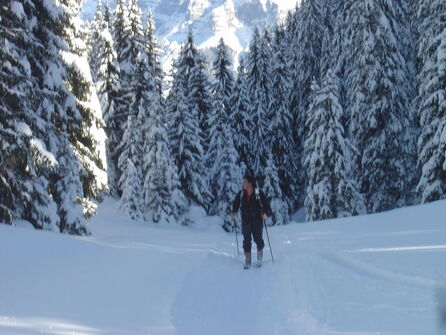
(48, 105)
(141, 87)
(308, 38)
(224, 82)
(241, 121)
(153, 53)
(54, 108)
(227, 178)
(339, 57)
(403, 27)
(184, 131)
(219, 117)
(259, 86)
(122, 43)
(305, 57)
(332, 190)
(272, 190)
(327, 11)
(146, 102)
(143, 100)
(280, 123)
(164, 200)
(185, 141)
(108, 15)
(23, 161)
(108, 90)
(130, 164)
(215, 146)
(378, 104)
(86, 129)
(431, 100)
(68, 191)
(15, 85)
(95, 40)
(199, 86)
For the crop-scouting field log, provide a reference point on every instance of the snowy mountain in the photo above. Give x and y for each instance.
(210, 20)
(374, 274)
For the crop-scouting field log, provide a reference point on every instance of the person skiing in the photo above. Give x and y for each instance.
(254, 207)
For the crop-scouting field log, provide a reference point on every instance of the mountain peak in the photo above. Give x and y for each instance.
(209, 20)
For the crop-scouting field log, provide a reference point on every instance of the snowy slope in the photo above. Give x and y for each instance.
(378, 274)
(210, 20)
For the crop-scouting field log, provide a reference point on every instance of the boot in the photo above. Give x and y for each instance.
(259, 257)
(247, 260)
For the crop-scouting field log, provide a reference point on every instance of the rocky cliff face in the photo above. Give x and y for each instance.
(233, 20)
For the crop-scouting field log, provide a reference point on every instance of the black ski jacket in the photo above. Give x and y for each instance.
(252, 208)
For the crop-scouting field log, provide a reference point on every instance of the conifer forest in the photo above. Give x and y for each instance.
(340, 109)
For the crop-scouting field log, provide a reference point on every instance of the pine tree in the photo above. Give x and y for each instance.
(108, 88)
(69, 192)
(122, 37)
(280, 126)
(163, 197)
(199, 86)
(332, 191)
(85, 130)
(431, 100)
(219, 117)
(259, 87)
(305, 56)
(340, 62)
(153, 52)
(241, 121)
(186, 148)
(95, 40)
(55, 116)
(272, 189)
(223, 77)
(327, 61)
(130, 164)
(227, 178)
(184, 115)
(379, 108)
(15, 84)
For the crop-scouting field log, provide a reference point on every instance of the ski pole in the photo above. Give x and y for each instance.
(236, 237)
(269, 242)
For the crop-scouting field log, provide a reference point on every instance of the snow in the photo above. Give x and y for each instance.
(17, 9)
(23, 128)
(79, 63)
(41, 148)
(376, 274)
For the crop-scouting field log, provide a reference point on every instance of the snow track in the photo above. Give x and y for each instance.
(274, 299)
(231, 301)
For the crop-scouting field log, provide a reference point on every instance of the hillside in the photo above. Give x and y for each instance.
(376, 274)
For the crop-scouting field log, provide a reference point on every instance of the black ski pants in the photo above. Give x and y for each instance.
(252, 228)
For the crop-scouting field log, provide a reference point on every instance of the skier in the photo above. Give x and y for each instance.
(254, 208)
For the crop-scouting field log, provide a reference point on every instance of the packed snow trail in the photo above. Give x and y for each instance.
(230, 300)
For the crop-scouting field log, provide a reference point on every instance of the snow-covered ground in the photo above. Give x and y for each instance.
(377, 274)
